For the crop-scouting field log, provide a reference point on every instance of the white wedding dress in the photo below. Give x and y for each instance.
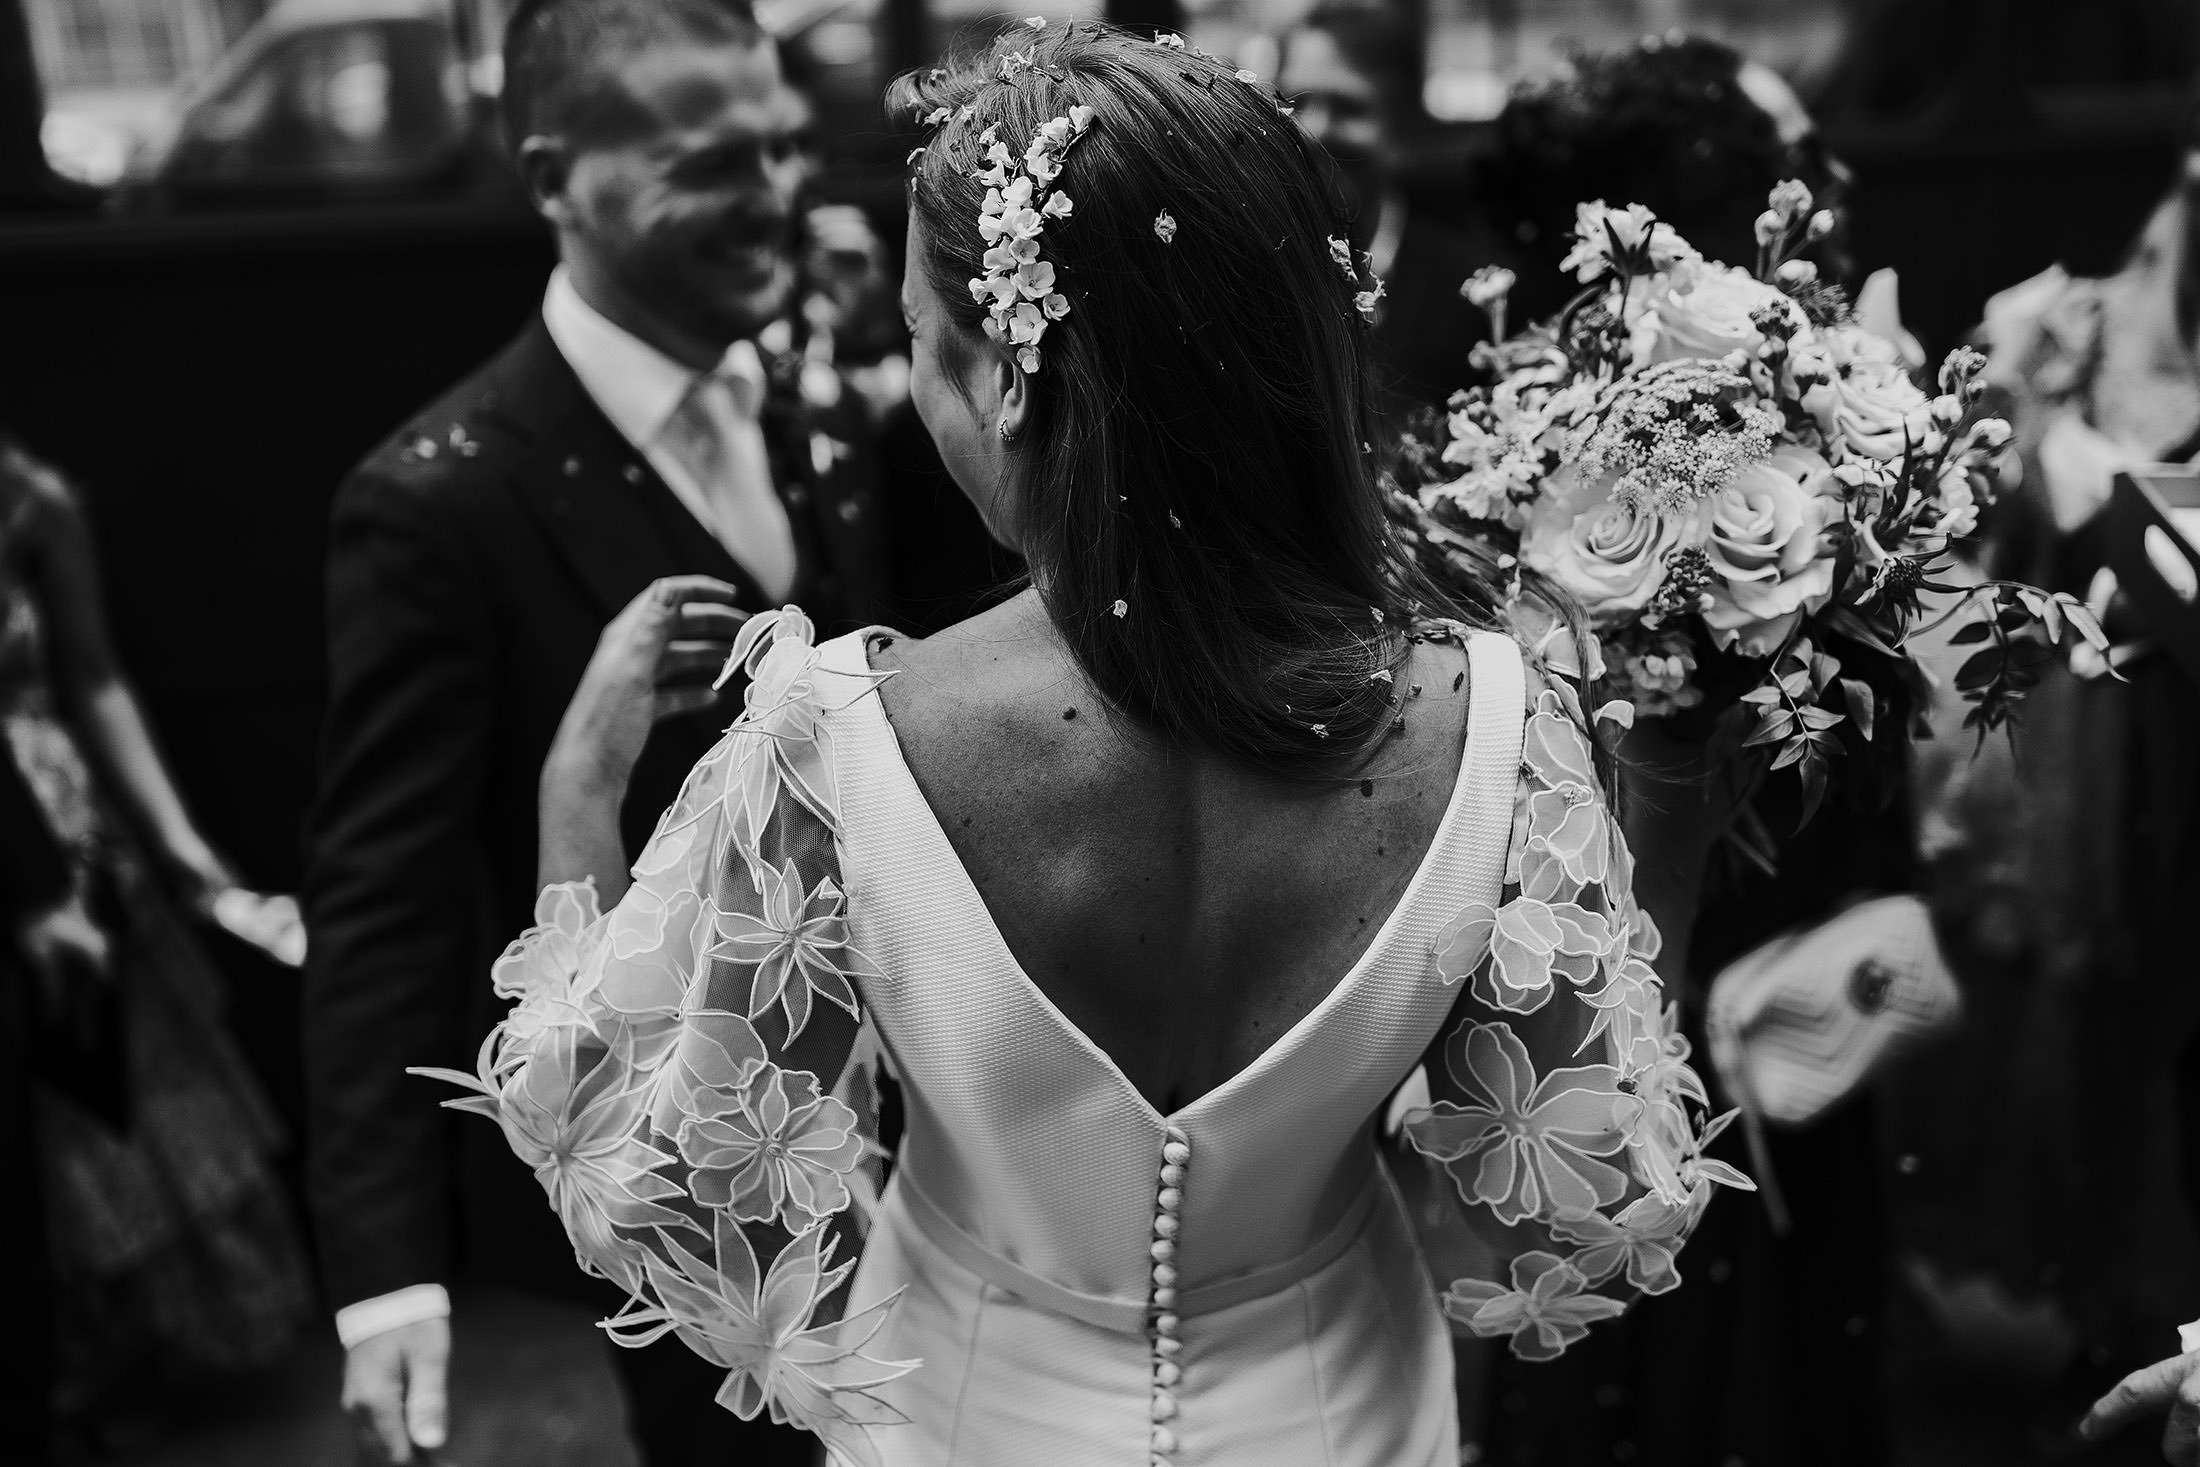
(1056, 1273)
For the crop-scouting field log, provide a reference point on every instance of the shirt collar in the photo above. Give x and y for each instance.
(637, 386)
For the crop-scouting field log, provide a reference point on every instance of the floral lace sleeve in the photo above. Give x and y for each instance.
(690, 1075)
(1563, 1108)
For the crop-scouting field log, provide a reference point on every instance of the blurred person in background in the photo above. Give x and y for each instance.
(676, 416)
(1353, 70)
(171, 1253)
(2071, 866)
(1771, 1355)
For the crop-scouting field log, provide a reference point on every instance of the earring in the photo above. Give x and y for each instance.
(1006, 436)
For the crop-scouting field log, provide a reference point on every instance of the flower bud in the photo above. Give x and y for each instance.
(1769, 228)
(1821, 224)
(1797, 272)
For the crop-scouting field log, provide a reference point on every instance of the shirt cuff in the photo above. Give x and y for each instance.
(2188, 1336)
(385, 1312)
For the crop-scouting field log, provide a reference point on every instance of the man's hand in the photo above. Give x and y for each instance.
(654, 661)
(395, 1390)
(2173, 1384)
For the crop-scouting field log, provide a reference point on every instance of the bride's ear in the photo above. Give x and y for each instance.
(1014, 386)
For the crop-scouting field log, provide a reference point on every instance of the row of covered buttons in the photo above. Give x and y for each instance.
(1161, 1325)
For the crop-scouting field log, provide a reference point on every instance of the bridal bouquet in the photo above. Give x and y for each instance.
(1743, 487)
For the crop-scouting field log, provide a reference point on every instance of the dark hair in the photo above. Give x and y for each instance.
(1665, 123)
(558, 53)
(1383, 42)
(1202, 441)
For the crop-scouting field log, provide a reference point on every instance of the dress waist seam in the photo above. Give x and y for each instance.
(1128, 1315)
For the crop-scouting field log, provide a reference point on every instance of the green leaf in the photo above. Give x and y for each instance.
(1971, 631)
(1847, 623)
(1816, 718)
(2088, 625)
(1791, 752)
(1775, 727)
(1814, 788)
(1863, 704)
(1981, 670)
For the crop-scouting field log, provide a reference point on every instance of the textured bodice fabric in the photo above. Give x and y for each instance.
(1050, 1270)
(1027, 1178)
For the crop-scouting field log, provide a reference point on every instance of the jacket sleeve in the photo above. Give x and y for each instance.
(1566, 1130)
(390, 892)
(690, 1075)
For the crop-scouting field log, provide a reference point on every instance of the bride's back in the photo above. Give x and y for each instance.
(1182, 910)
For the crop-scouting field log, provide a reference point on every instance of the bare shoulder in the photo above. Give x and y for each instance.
(992, 674)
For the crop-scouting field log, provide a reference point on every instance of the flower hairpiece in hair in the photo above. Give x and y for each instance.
(1017, 288)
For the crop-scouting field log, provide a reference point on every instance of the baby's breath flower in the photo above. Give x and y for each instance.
(1675, 433)
(1121, 608)
(1248, 77)
(1169, 39)
(1366, 302)
(1164, 227)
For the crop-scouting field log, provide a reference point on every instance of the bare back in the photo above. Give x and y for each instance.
(1181, 911)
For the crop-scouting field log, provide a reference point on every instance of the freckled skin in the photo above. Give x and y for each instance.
(1180, 910)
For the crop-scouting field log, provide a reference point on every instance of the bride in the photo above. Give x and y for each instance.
(1150, 887)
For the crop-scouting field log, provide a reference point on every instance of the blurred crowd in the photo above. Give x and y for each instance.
(715, 384)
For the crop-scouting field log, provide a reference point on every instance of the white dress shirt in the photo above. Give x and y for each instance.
(658, 405)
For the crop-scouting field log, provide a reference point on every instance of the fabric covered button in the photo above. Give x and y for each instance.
(1176, 1153)
(1164, 1275)
(1167, 1372)
(1163, 1250)
(1168, 1345)
(1164, 1440)
(1164, 1298)
(1166, 1324)
(1166, 1226)
(1172, 1176)
(1164, 1405)
(1171, 1199)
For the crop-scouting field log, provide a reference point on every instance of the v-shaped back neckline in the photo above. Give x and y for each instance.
(965, 890)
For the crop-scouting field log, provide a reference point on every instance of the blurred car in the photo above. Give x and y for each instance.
(333, 98)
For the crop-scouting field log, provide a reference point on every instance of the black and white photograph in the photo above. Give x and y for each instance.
(1160, 733)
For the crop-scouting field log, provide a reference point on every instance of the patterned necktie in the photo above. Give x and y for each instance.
(715, 436)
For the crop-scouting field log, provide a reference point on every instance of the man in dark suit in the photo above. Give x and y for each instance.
(634, 432)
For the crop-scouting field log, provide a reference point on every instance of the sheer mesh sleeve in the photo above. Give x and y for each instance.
(1565, 1126)
(690, 1075)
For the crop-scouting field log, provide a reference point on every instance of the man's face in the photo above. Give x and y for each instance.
(1339, 108)
(683, 193)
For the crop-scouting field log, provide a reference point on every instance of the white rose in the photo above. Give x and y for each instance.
(1702, 312)
(1865, 399)
(1765, 545)
(1608, 556)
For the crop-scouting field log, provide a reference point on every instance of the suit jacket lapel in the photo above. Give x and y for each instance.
(613, 521)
